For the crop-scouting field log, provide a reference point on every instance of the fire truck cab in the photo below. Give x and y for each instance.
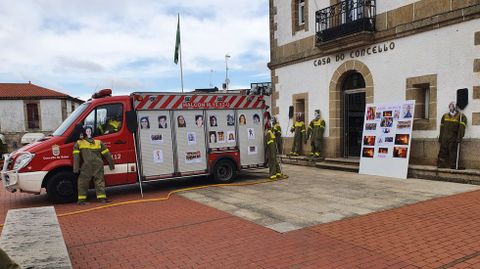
(151, 136)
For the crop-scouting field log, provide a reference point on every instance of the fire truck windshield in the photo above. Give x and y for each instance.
(70, 120)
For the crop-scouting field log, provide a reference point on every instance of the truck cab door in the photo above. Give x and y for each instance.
(108, 122)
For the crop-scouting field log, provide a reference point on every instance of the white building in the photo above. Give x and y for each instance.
(337, 56)
(26, 107)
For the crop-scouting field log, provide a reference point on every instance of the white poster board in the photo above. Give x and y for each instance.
(387, 137)
(190, 137)
(251, 136)
(155, 135)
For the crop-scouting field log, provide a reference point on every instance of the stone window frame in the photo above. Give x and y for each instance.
(412, 85)
(299, 96)
(25, 112)
(296, 26)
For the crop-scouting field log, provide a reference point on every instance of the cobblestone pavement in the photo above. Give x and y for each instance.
(180, 233)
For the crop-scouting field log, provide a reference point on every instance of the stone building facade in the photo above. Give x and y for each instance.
(28, 108)
(337, 56)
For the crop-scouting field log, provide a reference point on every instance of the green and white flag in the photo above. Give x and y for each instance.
(177, 42)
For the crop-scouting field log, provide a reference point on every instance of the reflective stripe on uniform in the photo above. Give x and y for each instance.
(270, 142)
(76, 152)
(82, 197)
(84, 144)
(104, 152)
(101, 196)
(462, 123)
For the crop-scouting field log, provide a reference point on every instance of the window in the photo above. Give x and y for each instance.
(301, 12)
(423, 90)
(105, 119)
(33, 116)
(422, 97)
(300, 106)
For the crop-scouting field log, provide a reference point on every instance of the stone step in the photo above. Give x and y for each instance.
(337, 166)
(469, 176)
(347, 161)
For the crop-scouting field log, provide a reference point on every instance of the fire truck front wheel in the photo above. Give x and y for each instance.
(62, 187)
(224, 171)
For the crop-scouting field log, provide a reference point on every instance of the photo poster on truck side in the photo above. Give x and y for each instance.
(221, 129)
(386, 141)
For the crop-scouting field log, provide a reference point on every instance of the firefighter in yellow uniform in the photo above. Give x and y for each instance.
(6, 262)
(298, 130)
(87, 159)
(273, 166)
(452, 130)
(315, 133)
(113, 124)
(277, 131)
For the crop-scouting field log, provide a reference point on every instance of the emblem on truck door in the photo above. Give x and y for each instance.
(55, 150)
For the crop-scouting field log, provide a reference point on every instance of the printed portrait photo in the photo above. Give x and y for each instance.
(213, 121)
(230, 120)
(231, 136)
(371, 113)
(181, 122)
(191, 138)
(256, 119)
(199, 121)
(212, 137)
(162, 122)
(242, 120)
(221, 137)
(157, 156)
(144, 123)
(386, 122)
(407, 111)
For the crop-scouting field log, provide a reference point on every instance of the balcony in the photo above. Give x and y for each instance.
(345, 19)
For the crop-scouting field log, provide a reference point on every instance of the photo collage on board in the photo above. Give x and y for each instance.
(221, 128)
(155, 127)
(387, 131)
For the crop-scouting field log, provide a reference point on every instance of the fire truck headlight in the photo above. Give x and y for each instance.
(23, 160)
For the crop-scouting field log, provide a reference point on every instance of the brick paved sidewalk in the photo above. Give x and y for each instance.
(441, 233)
(180, 233)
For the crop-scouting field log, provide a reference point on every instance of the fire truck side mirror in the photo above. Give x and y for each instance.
(131, 118)
(75, 134)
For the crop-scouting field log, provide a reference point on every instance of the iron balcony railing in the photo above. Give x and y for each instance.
(345, 18)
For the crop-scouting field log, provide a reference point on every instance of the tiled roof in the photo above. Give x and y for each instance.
(26, 90)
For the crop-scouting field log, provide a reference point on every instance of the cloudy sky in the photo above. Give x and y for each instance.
(77, 46)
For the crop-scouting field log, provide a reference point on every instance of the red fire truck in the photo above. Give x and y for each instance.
(158, 136)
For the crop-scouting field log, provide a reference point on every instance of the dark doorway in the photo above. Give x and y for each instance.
(354, 109)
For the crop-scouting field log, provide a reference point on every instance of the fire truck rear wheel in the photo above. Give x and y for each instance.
(224, 171)
(62, 187)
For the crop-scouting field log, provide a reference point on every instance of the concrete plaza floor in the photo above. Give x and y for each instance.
(315, 196)
(348, 220)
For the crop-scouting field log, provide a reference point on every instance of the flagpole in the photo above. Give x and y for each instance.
(180, 52)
